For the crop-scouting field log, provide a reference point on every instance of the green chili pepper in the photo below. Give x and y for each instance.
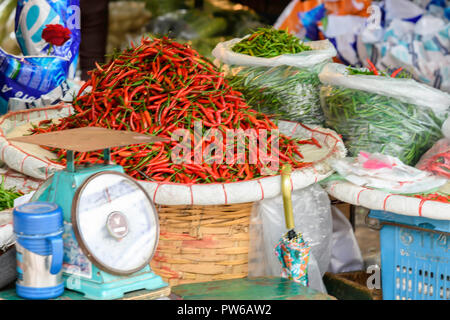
(375, 123)
(279, 41)
(7, 196)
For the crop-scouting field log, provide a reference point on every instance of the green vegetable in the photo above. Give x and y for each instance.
(287, 92)
(375, 123)
(269, 43)
(362, 71)
(7, 196)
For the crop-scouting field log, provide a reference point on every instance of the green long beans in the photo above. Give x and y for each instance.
(269, 43)
(287, 92)
(7, 196)
(376, 123)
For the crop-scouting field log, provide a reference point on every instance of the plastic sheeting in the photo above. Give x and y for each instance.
(345, 254)
(386, 173)
(312, 217)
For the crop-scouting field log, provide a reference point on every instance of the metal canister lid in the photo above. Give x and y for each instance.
(37, 218)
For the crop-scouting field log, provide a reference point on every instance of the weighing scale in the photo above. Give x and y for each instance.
(111, 225)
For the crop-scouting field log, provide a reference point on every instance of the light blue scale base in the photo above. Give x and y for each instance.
(114, 287)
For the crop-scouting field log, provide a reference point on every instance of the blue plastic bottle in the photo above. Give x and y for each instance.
(38, 227)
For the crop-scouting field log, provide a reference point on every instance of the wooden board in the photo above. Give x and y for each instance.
(261, 288)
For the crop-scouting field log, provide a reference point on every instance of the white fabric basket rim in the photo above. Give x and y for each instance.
(380, 200)
(167, 193)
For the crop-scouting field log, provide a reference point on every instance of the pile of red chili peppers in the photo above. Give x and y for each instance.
(155, 88)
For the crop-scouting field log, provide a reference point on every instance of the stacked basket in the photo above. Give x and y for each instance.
(202, 243)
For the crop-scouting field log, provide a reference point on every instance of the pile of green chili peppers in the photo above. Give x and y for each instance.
(269, 43)
(286, 92)
(7, 196)
(375, 123)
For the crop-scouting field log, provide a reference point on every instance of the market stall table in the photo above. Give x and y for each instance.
(10, 294)
(262, 288)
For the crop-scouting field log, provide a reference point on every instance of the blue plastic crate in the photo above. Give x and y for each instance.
(415, 263)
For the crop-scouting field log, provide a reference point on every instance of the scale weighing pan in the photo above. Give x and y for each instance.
(88, 139)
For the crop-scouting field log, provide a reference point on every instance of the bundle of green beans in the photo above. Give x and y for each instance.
(287, 92)
(269, 43)
(7, 196)
(375, 123)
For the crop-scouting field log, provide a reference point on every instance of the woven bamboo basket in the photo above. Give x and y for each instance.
(202, 243)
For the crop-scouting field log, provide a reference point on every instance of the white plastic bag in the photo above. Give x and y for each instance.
(405, 90)
(286, 86)
(414, 36)
(65, 92)
(386, 173)
(322, 51)
(312, 217)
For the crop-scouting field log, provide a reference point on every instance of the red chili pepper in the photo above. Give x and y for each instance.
(396, 72)
(372, 67)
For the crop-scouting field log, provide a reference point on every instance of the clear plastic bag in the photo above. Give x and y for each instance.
(286, 85)
(383, 172)
(397, 117)
(286, 92)
(437, 159)
(312, 216)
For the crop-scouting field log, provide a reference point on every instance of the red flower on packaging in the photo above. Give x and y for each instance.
(56, 34)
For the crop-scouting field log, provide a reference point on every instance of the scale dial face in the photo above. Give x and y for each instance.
(115, 223)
